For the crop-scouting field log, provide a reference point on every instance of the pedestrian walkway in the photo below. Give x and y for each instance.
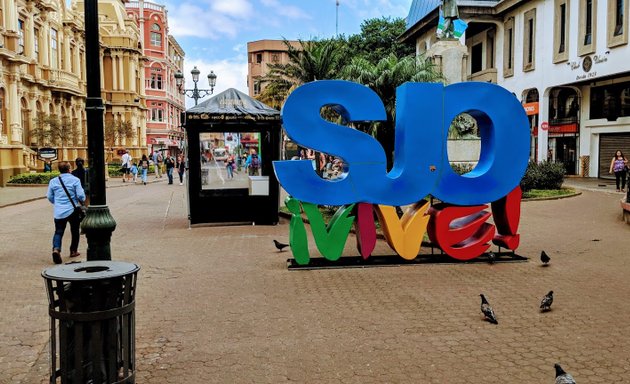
(218, 305)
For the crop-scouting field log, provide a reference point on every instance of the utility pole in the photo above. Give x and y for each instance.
(337, 20)
(98, 224)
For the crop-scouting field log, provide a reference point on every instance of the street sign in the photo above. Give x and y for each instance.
(544, 125)
(47, 153)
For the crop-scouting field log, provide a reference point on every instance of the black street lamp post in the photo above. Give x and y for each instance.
(195, 93)
(98, 224)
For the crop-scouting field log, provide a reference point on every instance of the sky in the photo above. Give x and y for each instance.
(214, 33)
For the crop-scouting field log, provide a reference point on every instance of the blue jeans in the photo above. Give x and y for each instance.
(144, 175)
(60, 228)
(169, 173)
(230, 171)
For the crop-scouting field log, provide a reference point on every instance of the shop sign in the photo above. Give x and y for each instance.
(531, 108)
(47, 153)
(544, 125)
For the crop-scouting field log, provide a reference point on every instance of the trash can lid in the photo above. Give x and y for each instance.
(90, 270)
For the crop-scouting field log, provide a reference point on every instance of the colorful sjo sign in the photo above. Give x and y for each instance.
(421, 168)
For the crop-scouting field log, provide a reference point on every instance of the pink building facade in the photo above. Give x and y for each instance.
(163, 58)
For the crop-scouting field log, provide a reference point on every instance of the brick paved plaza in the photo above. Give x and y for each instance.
(217, 305)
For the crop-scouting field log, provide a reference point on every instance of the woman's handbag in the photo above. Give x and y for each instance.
(80, 209)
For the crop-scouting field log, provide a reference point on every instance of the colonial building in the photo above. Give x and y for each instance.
(164, 58)
(260, 54)
(566, 60)
(42, 78)
(43, 82)
(122, 78)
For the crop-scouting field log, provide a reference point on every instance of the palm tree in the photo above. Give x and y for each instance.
(316, 60)
(383, 78)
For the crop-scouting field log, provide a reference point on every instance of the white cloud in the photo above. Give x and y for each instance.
(231, 73)
(290, 11)
(214, 19)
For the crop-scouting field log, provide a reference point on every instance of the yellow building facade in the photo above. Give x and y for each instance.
(43, 81)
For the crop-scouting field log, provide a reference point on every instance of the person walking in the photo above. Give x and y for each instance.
(157, 163)
(229, 166)
(181, 168)
(126, 166)
(253, 163)
(169, 162)
(134, 172)
(144, 168)
(65, 193)
(619, 165)
(81, 173)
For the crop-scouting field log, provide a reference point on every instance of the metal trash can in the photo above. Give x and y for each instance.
(92, 322)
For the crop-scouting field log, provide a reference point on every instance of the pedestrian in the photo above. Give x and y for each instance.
(619, 165)
(169, 162)
(47, 166)
(126, 166)
(134, 172)
(229, 166)
(157, 163)
(144, 167)
(81, 173)
(181, 168)
(66, 194)
(253, 163)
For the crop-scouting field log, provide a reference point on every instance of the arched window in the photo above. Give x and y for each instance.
(26, 122)
(156, 36)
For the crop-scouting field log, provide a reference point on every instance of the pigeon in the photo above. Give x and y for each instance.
(562, 377)
(491, 257)
(280, 246)
(544, 258)
(487, 310)
(545, 304)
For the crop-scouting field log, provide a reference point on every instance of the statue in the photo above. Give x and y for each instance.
(450, 12)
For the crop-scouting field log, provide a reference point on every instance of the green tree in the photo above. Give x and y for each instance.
(313, 60)
(378, 39)
(383, 78)
(40, 132)
(115, 131)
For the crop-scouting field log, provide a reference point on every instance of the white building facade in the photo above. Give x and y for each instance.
(568, 61)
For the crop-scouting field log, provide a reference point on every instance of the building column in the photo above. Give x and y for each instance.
(132, 74)
(121, 73)
(29, 34)
(45, 41)
(66, 49)
(543, 136)
(13, 111)
(115, 73)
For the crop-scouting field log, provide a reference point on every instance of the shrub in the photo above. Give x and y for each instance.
(114, 169)
(462, 168)
(545, 175)
(33, 178)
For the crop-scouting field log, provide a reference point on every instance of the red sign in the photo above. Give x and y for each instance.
(544, 125)
(531, 108)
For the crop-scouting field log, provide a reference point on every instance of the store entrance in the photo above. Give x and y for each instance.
(566, 153)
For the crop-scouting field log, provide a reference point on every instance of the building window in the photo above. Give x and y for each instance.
(72, 58)
(586, 27)
(156, 78)
(588, 23)
(529, 45)
(561, 31)
(490, 50)
(157, 114)
(53, 48)
(36, 43)
(610, 101)
(275, 58)
(20, 37)
(156, 36)
(256, 87)
(476, 62)
(259, 58)
(618, 17)
(617, 29)
(508, 48)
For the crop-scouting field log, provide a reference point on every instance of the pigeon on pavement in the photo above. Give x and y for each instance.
(280, 246)
(487, 311)
(545, 304)
(544, 258)
(562, 377)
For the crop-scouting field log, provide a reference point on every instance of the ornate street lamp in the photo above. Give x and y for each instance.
(195, 93)
(98, 224)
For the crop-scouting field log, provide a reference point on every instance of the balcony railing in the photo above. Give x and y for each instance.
(152, 6)
(62, 79)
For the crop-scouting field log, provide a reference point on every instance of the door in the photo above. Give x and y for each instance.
(566, 153)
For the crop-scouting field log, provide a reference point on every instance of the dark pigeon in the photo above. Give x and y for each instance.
(280, 246)
(562, 377)
(487, 311)
(544, 258)
(545, 304)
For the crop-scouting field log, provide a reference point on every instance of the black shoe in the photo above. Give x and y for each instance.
(56, 255)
